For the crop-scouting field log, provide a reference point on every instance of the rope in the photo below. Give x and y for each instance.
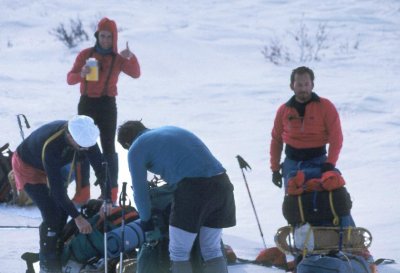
(301, 209)
(335, 216)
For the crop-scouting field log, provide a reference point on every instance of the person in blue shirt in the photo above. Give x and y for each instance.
(37, 164)
(203, 200)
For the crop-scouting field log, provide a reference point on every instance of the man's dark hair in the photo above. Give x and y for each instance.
(301, 70)
(128, 131)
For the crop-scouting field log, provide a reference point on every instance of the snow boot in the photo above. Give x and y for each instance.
(181, 267)
(216, 265)
(49, 254)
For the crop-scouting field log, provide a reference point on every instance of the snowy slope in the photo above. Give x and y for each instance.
(202, 69)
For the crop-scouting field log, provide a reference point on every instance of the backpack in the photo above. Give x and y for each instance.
(6, 193)
(338, 262)
(317, 208)
(85, 248)
(155, 257)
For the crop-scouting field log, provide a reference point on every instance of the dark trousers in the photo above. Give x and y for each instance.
(103, 111)
(54, 220)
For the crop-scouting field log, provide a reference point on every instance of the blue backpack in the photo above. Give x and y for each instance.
(336, 263)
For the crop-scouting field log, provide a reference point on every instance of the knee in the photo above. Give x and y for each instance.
(211, 252)
(180, 244)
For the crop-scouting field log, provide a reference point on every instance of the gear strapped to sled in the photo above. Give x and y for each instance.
(322, 240)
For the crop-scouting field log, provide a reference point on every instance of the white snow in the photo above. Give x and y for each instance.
(202, 69)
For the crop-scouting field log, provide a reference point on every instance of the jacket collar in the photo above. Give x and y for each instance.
(292, 101)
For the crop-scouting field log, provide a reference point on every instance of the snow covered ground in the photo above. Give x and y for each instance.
(202, 69)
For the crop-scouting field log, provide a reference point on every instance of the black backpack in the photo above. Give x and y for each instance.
(6, 194)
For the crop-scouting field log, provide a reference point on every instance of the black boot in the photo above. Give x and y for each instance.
(49, 254)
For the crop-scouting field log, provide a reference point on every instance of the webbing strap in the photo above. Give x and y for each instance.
(104, 93)
(349, 230)
(50, 139)
(306, 241)
(335, 216)
(301, 209)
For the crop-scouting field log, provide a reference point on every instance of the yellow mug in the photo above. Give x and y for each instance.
(94, 70)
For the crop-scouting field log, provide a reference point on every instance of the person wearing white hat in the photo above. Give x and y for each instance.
(37, 164)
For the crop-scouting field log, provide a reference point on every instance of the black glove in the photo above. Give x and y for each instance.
(327, 167)
(152, 233)
(277, 179)
(147, 225)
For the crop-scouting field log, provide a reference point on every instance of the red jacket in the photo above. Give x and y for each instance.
(97, 88)
(319, 126)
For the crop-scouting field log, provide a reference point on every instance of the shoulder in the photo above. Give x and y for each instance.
(326, 102)
(85, 53)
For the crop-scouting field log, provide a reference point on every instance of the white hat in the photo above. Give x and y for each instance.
(83, 130)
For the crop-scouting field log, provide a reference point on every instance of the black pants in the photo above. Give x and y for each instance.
(103, 111)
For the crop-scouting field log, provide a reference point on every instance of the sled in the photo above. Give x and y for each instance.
(322, 240)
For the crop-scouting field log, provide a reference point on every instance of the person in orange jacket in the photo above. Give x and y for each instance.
(98, 95)
(305, 124)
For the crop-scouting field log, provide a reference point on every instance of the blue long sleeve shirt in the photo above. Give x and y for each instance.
(174, 154)
(57, 154)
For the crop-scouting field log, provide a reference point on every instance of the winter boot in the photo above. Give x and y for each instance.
(216, 265)
(182, 267)
(49, 254)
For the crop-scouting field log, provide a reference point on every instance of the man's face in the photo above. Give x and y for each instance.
(302, 87)
(105, 39)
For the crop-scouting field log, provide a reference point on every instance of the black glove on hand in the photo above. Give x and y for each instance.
(327, 167)
(277, 179)
(151, 232)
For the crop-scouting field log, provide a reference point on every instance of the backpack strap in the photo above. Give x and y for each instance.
(50, 139)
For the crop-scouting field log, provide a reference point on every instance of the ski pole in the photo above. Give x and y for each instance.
(27, 226)
(122, 200)
(104, 193)
(244, 165)
(21, 131)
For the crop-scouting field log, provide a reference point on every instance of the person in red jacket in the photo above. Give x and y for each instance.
(98, 95)
(305, 124)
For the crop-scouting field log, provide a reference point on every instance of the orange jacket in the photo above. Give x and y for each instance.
(319, 126)
(98, 88)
